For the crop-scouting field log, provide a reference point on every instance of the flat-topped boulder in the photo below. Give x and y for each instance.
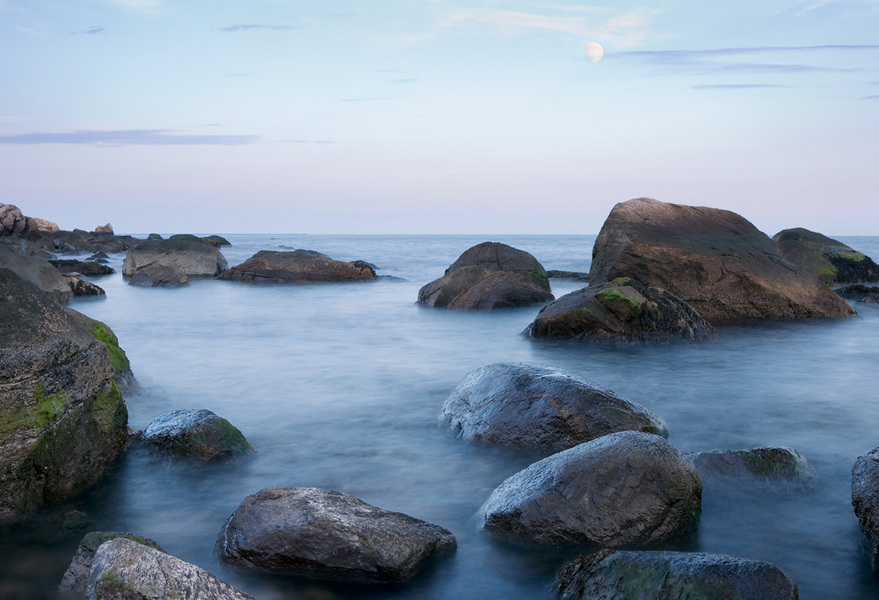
(324, 534)
(530, 406)
(830, 260)
(626, 575)
(713, 259)
(621, 311)
(192, 257)
(487, 276)
(63, 422)
(297, 266)
(195, 433)
(622, 489)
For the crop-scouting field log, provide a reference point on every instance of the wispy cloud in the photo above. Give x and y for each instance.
(128, 137)
(870, 98)
(366, 99)
(403, 80)
(307, 142)
(255, 27)
(737, 86)
(96, 30)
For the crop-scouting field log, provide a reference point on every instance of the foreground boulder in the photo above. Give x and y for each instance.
(74, 583)
(713, 259)
(123, 569)
(532, 406)
(771, 465)
(865, 500)
(830, 260)
(621, 575)
(38, 272)
(621, 489)
(198, 434)
(321, 534)
(159, 276)
(193, 257)
(297, 266)
(489, 275)
(63, 422)
(622, 310)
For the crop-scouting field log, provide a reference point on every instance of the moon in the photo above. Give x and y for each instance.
(594, 52)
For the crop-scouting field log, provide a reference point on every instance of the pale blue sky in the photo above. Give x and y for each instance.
(396, 116)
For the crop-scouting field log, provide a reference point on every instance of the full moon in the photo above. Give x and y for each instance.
(594, 52)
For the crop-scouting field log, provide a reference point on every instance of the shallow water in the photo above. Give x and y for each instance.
(340, 385)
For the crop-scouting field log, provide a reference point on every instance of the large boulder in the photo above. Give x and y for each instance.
(62, 418)
(489, 275)
(621, 489)
(12, 222)
(772, 465)
(159, 276)
(626, 575)
(713, 259)
(865, 500)
(123, 569)
(622, 310)
(38, 272)
(193, 257)
(322, 534)
(533, 406)
(297, 266)
(830, 260)
(196, 433)
(74, 582)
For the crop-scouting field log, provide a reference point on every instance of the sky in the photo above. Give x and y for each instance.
(404, 116)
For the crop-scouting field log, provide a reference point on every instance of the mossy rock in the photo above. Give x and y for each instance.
(770, 465)
(198, 434)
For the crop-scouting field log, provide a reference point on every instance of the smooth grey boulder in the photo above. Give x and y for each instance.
(621, 311)
(621, 489)
(830, 260)
(713, 259)
(622, 575)
(74, 582)
(323, 534)
(770, 465)
(159, 276)
(38, 272)
(297, 266)
(196, 433)
(865, 500)
(193, 257)
(488, 276)
(123, 569)
(532, 406)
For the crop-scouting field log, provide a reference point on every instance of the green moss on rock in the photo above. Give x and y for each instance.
(118, 359)
(853, 256)
(625, 302)
(35, 416)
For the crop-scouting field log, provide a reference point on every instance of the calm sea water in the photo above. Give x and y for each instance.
(339, 386)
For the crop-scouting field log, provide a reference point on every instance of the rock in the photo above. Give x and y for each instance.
(75, 580)
(778, 465)
(621, 311)
(159, 276)
(44, 225)
(865, 500)
(621, 489)
(104, 229)
(12, 222)
(829, 259)
(489, 275)
(622, 575)
(298, 266)
(107, 242)
(118, 359)
(715, 260)
(197, 434)
(63, 422)
(99, 257)
(532, 406)
(858, 291)
(123, 569)
(81, 287)
(38, 272)
(193, 257)
(216, 240)
(554, 274)
(322, 534)
(83, 267)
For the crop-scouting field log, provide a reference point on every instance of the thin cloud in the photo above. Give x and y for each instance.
(307, 142)
(96, 30)
(695, 54)
(737, 86)
(366, 99)
(403, 80)
(254, 27)
(128, 137)
(870, 98)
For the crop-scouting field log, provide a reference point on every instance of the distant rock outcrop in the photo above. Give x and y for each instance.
(12, 222)
(104, 229)
(830, 260)
(622, 310)
(489, 275)
(713, 259)
(297, 266)
(193, 257)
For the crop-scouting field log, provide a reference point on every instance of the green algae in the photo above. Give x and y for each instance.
(852, 256)
(35, 416)
(624, 302)
(118, 359)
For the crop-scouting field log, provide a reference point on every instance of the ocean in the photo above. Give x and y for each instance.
(339, 386)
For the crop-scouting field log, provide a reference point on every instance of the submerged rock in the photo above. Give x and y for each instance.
(297, 266)
(193, 257)
(74, 583)
(489, 275)
(713, 259)
(197, 434)
(621, 575)
(621, 489)
(63, 422)
(622, 310)
(830, 260)
(322, 534)
(772, 465)
(534, 406)
(123, 569)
